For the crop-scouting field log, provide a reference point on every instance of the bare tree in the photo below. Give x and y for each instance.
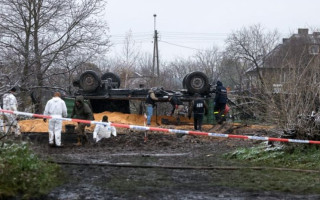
(144, 71)
(179, 68)
(233, 72)
(39, 33)
(288, 77)
(298, 75)
(250, 45)
(247, 49)
(128, 59)
(208, 61)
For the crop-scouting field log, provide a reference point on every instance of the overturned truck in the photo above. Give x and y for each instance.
(104, 93)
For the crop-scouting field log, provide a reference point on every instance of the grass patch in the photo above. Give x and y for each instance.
(302, 157)
(291, 157)
(23, 174)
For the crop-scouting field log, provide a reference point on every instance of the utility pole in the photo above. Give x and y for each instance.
(155, 63)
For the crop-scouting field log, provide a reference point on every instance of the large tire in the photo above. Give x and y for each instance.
(184, 81)
(89, 81)
(197, 82)
(115, 79)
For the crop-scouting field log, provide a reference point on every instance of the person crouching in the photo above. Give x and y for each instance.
(103, 130)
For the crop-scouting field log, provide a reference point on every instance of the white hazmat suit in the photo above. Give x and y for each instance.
(55, 107)
(103, 131)
(10, 103)
(1, 123)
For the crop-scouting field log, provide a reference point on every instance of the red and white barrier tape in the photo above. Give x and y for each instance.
(177, 131)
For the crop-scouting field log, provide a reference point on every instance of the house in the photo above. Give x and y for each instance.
(296, 58)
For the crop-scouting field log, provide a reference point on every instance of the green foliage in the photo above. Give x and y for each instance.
(301, 156)
(23, 174)
(289, 157)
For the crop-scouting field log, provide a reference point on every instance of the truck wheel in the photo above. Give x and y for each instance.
(197, 82)
(115, 79)
(89, 81)
(184, 81)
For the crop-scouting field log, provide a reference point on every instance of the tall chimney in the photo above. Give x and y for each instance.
(303, 31)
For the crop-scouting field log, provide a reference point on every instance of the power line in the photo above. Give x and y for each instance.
(136, 42)
(194, 35)
(180, 45)
(173, 34)
(170, 38)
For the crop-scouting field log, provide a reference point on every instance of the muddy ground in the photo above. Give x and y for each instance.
(165, 166)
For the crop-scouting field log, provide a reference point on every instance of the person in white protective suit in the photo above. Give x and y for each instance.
(103, 130)
(55, 107)
(1, 122)
(10, 103)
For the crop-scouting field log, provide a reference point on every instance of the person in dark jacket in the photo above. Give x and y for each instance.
(150, 104)
(81, 110)
(177, 106)
(220, 102)
(199, 107)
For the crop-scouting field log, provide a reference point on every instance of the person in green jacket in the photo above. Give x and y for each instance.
(81, 110)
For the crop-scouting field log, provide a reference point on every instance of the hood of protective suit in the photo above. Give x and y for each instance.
(219, 83)
(55, 99)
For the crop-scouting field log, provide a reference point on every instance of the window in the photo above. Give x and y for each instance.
(277, 88)
(314, 49)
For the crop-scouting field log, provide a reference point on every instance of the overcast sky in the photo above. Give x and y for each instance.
(186, 26)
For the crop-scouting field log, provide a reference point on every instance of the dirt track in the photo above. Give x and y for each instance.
(140, 173)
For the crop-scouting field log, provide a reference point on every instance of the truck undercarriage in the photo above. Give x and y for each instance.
(104, 93)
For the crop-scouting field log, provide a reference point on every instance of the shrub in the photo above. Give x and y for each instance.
(303, 156)
(23, 174)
